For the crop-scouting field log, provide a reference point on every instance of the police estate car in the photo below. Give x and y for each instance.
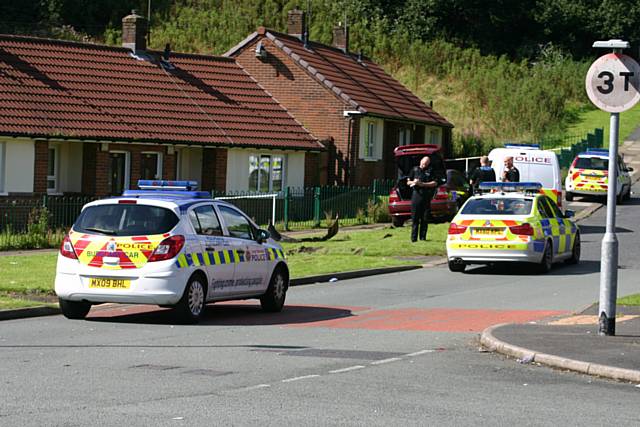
(512, 222)
(169, 245)
(589, 175)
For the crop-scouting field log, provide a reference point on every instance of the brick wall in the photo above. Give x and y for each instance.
(312, 169)
(214, 169)
(41, 166)
(313, 105)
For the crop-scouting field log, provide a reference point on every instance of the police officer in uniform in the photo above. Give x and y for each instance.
(484, 173)
(424, 180)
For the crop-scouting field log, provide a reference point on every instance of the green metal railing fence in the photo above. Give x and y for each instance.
(296, 208)
(592, 140)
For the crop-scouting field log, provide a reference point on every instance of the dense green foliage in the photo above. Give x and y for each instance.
(499, 69)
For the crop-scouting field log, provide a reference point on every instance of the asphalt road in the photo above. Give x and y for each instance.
(397, 349)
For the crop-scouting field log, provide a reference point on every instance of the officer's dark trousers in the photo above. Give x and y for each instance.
(420, 210)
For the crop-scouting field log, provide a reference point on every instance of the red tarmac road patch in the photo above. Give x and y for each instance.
(433, 319)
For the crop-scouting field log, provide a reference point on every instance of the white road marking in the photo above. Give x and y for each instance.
(418, 353)
(350, 368)
(256, 387)
(380, 362)
(304, 377)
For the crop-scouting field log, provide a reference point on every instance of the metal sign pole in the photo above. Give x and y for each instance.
(609, 255)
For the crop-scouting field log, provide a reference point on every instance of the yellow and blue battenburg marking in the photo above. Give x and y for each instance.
(196, 259)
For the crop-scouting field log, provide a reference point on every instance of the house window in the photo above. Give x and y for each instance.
(405, 136)
(371, 139)
(432, 135)
(52, 169)
(119, 171)
(151, 165)
(266, 172)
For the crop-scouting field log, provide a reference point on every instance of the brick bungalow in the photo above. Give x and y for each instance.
(92, 119)
(358, 111)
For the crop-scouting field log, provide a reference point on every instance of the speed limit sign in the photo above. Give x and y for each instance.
(613, 82)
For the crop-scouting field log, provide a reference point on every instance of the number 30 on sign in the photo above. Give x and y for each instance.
(613, 82)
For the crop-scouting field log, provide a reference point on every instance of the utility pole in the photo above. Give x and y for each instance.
(612, 85)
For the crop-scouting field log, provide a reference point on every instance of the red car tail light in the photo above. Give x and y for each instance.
(522, 230)
(456, 229)
(168, 248)
(66, 248)
(442, 193)
(393, 195)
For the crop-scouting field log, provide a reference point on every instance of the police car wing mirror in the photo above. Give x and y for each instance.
(263, 236)
(569, 213)
(629, 169)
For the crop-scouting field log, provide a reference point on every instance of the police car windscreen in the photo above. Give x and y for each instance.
(125, 220)
(498, 206)
(596, 163)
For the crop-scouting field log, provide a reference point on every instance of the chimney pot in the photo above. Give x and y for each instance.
(341, 38)
(296, 23)
(134, 32)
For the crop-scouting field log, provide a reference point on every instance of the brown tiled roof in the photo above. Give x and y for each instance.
(362, 83)
(52, 88)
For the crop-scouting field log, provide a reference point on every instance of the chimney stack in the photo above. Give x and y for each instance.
(341, 38)
(134, 32)
(296, 22)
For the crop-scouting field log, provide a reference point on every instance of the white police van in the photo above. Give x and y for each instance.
(534, 165)
(169, 245)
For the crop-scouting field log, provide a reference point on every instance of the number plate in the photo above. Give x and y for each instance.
(109, 283)
(488, 231)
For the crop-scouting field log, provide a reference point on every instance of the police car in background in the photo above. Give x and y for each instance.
(589, 176)
(169, 245)
(512, 222)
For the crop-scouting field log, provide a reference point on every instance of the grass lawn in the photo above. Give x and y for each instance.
(629, 300)
(26, 278)
(591, 119)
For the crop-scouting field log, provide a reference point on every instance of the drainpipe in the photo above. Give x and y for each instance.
(350, 114)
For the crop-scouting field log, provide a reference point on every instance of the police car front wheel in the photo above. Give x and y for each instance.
(273, 299)
(74, 309)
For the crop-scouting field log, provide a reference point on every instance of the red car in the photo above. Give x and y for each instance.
(448, 197)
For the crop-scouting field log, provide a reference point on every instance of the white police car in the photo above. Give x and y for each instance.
(169, 245)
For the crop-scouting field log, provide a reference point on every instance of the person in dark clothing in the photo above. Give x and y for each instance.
(511, 173)
(484, 173)
(424, 180)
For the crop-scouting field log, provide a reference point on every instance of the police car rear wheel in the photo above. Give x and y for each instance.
(547, 259)
(575, 252)
(74, 309)
(191, 305)
(569, 196)
(273, 299)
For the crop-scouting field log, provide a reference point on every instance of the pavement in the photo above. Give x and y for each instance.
(567, 343)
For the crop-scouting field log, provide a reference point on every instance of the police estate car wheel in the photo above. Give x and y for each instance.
(547, 258)
(620, 198)
(457, 267)
(273, 299)
(191, 305)
(575, 252)
(74, 309)
(569, 196)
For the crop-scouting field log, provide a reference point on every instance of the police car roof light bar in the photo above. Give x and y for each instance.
(510, 187)
(147, 184)
(523, 146)
(597, 151)
(172, 194)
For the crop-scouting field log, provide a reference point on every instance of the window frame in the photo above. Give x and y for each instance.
(199, 231)
(56, 168)
(270, 170)
(159, 163)
(127, 168)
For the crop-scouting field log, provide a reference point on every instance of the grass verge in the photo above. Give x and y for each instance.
(591, 119)
(28, 279)
(629, 300)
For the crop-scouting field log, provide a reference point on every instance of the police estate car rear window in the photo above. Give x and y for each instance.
(125, 220)
(595, 163)
(498, 206)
